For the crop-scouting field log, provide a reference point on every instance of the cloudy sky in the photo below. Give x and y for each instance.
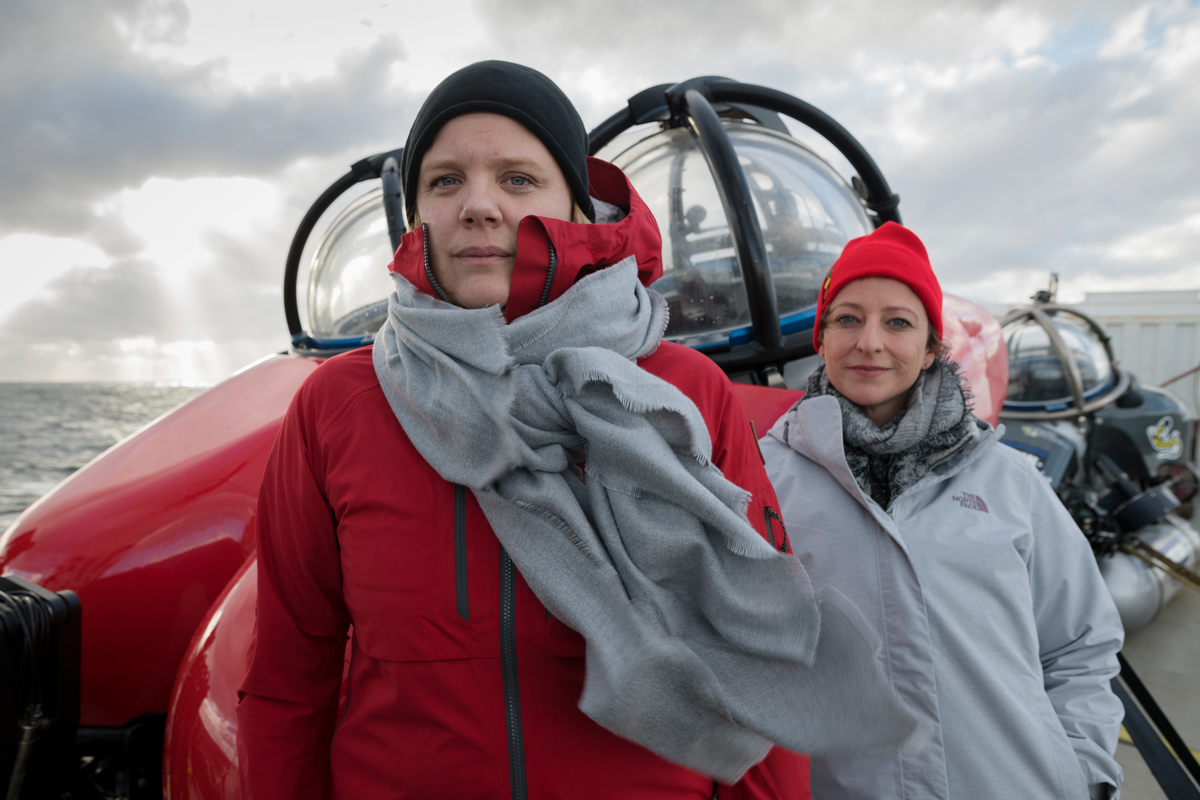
(157, 155)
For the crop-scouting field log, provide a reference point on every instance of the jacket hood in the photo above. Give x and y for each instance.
(579, 249)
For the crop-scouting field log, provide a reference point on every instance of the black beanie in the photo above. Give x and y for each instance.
(500, 87)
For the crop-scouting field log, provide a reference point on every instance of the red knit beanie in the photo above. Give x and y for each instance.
(892, 251)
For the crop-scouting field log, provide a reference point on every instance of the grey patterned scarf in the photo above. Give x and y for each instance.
(704, 644)
(936, 426)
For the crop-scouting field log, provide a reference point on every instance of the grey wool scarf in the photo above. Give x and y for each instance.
(703, 643)
(936, 425)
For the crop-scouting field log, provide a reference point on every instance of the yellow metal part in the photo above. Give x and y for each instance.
(1127, 739)
(1178, 571)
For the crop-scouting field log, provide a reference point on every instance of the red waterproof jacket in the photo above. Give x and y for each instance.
(460, 683)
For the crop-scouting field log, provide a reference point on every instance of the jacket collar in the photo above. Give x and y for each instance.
(553, 254)
(813, 428)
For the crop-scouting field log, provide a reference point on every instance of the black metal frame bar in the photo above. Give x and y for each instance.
(1171, 767)
(1040, 312)
(743, 226)
(698, 104)
(662, 103)
(880, 198)
(363, 170)
(393, 200)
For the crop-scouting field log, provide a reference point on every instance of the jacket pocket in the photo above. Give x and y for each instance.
(404, 576)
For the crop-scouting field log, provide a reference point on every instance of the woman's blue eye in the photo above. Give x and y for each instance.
(846, 319)
(901, 323)
(445, 180)
(519, 180)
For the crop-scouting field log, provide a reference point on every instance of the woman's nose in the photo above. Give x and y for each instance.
(480, 204)
(871, 337)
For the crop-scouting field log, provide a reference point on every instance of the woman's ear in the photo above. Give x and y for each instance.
(930, 356)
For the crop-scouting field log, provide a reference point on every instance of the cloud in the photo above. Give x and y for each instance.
(189, 183)
(1023, 136)
(1053, 169)
(98, 116)
(125, 322)
(123, 300)
(775, 41)
(217, 282)
(27, 261)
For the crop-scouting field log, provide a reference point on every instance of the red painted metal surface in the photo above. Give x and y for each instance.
(200, 751)
(977, 344)
(150, 532)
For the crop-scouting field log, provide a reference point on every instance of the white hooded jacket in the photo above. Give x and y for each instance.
(998, 631)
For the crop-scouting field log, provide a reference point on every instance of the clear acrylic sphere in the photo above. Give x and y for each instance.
(349, 282)
(1037, 376)
(806, 212)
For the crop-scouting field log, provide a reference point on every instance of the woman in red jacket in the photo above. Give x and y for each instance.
(518, 461)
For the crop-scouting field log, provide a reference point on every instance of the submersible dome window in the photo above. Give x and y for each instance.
(805, 210)
(349, 282)
(1038, 380)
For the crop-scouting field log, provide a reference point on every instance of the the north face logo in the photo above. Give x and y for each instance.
(967, 500)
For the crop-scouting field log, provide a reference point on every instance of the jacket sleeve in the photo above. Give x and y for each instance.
(1079, 635)
(288, 699)
(782, 774)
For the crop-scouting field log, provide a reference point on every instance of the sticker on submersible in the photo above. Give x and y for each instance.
(1166, 441)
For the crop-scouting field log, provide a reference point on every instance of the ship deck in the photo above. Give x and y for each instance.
(1166, 655)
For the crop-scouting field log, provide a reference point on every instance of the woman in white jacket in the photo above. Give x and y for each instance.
(997, 630)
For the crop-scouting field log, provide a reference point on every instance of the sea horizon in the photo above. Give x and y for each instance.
(49, 429)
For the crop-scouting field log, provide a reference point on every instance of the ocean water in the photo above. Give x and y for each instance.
(49, 430)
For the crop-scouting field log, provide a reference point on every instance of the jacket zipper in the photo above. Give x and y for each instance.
(550, 270)
(460, 552)
(769, 514)
(508, 633)
(437, 287)
(508, 670)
